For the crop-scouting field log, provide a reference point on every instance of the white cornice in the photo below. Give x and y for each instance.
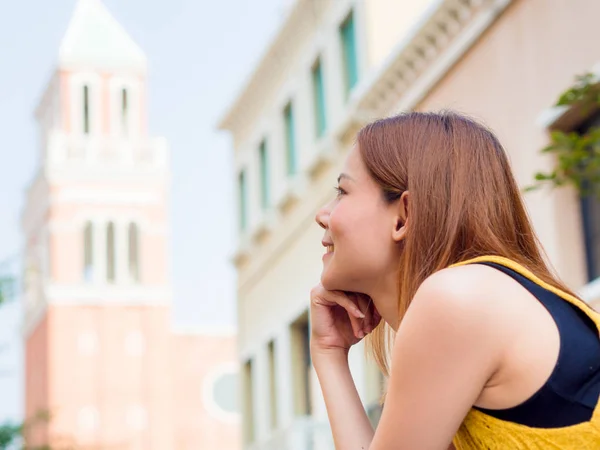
(445, 33)
(448, 30)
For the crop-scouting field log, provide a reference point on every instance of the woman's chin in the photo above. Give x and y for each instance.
(331, 282)
(327, 281)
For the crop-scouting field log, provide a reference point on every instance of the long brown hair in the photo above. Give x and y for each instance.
(464, 201)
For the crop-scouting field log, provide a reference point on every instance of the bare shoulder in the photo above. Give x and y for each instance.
(447, 348)
(475, 289)
(466, 302)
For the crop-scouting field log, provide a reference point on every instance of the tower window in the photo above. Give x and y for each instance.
(124, 111)
(86, 109)
(88, 252)
(134, 257)
(110, 252)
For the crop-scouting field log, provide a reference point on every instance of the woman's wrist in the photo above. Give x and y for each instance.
(328, 356)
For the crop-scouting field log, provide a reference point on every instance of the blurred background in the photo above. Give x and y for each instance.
(163, 163)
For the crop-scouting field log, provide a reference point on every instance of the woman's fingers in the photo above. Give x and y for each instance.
(358, 307)
(355, 315)
(364, 303)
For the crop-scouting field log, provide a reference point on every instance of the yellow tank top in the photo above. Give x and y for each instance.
(482, 431)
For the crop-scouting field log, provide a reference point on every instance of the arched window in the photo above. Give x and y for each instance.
(88, 252)
(110, 252)
(86, 109)
(134, 252)
(124, 112)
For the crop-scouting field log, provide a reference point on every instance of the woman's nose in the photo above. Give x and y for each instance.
(322, 217)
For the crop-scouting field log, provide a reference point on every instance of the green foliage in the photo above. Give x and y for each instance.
(6, 288)
(576, 155)
(584, 89)
(12, 434)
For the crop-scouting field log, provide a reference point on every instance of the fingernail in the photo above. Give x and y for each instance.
(361, 334)
(360, 314)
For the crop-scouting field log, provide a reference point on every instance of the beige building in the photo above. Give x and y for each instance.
(336, 65)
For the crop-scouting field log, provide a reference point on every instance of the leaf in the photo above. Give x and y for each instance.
(577, 155)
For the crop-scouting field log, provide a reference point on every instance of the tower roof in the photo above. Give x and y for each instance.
(94, 39)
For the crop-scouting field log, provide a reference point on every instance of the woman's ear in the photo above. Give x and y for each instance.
(401, 218)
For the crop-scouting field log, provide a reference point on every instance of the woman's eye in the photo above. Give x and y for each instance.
(339, 191)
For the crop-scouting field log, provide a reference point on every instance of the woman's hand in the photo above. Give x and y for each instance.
(340, 319)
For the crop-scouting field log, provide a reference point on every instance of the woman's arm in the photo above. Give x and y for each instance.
(343, 403)
(349, 423)
(446, 349)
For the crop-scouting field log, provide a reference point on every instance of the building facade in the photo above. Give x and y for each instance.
(101, 357)
(333, 67)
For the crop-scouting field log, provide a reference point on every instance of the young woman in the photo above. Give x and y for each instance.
(429, 236)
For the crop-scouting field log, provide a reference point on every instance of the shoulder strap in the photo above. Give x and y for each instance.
(509, 263)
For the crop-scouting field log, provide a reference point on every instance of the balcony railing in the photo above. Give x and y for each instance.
(103, 151)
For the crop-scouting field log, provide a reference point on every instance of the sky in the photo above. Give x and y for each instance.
(200, 53)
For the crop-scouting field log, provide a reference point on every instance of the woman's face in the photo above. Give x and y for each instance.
(362, 250)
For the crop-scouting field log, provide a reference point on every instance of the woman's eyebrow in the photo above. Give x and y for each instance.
(346, 176)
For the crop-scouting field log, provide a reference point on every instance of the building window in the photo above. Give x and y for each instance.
(590, 214)
(86, 109)
(248, 417)
(134, 252)
(88, 252)
(272, 385)
(301, 366)
(243, 200)
(319, 99)
(124, 112)
(290, 139)
(225, 392)
(265, 194)
(110, 252)
(350, 62)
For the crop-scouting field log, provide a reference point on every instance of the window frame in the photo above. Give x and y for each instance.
(243, 206)
(111, 253)
(319, 100)
(88, 251)
(86, 123)
(291, 145)
(265, 182)
(349, 50)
